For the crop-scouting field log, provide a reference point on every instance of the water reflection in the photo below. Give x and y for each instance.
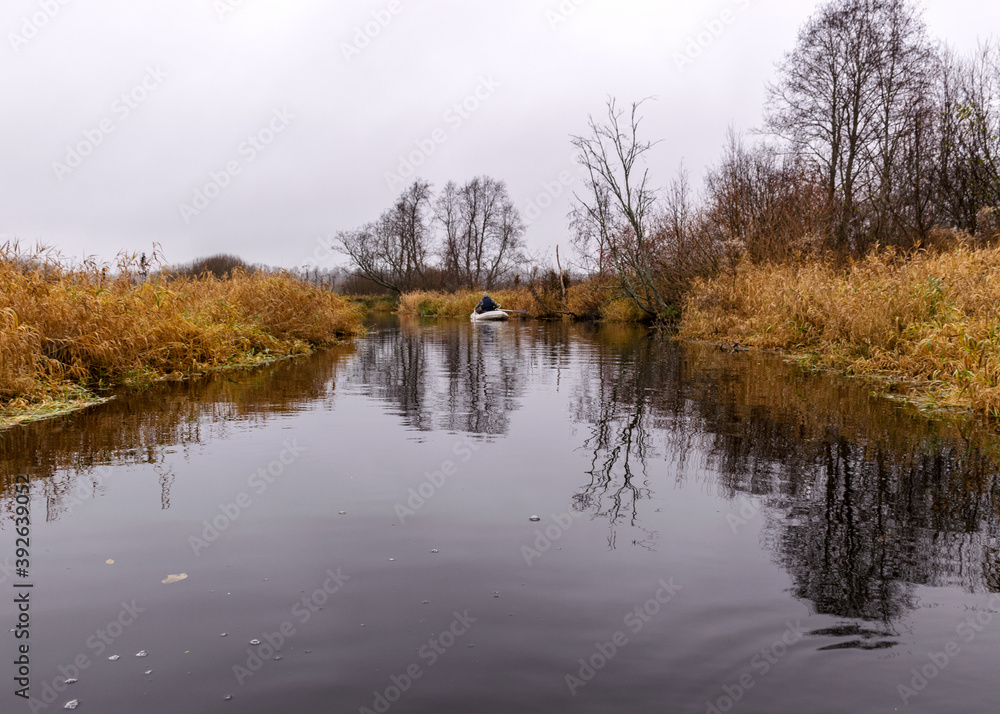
(859, 500)
(862, 500)
(615, 399)
(445, 377)
(867, 500)
(65, 456)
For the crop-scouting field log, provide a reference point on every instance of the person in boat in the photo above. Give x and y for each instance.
(486, 305)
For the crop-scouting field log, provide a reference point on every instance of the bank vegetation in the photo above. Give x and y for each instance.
(927, 320)
(858, 225)
(67, 331)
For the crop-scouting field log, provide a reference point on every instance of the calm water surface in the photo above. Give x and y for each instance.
(717, 533)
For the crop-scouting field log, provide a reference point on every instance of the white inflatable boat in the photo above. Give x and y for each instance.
(491, 316)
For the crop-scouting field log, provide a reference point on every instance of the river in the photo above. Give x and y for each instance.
(519, 517)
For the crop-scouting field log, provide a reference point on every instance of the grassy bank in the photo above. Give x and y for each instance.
(584, 301)
(929, 320)
(66, 331)
(377, 304)
(461, 304)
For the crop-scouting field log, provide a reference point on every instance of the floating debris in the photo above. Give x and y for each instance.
(109, 562)
(72, 704)
(148, 672)
(496, 594)
(142, 653)
(392, 560)
(255, 642)
(277, 656)
(343, 513)
(170, 579)
(426, 602)
(435, 550)
(114, 658)
(224, 634)
(535, 519)
(229, 697)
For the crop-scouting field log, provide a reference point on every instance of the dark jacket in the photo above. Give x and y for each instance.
(486, 305)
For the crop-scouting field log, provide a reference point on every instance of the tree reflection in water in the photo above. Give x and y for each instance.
(612, 397)
(862, 500)
(445, 377)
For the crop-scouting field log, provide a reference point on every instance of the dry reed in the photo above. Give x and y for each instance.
(461, 304)
(925, 318)
(65, 327)
(588, 299)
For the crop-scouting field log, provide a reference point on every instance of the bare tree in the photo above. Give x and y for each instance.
(845, 100)
(410, 220)
(811, 105)
(448, 214)
(392, 251)
(618, 212)
(590, 221)
(483, 232)
(969, 164)
(763, 199)
(905, 64)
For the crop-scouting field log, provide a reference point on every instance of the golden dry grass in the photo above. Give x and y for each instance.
(622, 310)
(584, 299)
(376, 304)
(601, 299)
(929, 318)
(461, 304)
(587, 299)
(90, 326)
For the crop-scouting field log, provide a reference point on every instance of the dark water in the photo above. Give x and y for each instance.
(718, 533)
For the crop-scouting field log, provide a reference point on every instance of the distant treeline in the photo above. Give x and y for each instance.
(220, 265)
(224, 265)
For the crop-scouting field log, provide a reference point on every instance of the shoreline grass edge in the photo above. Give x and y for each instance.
(68, 333)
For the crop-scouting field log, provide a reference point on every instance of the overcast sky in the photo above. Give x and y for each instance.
(261, 127)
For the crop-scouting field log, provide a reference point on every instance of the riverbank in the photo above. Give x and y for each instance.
(926, 323)
(66, 333)
(586, 300)
(426, 303)
(374, 304)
